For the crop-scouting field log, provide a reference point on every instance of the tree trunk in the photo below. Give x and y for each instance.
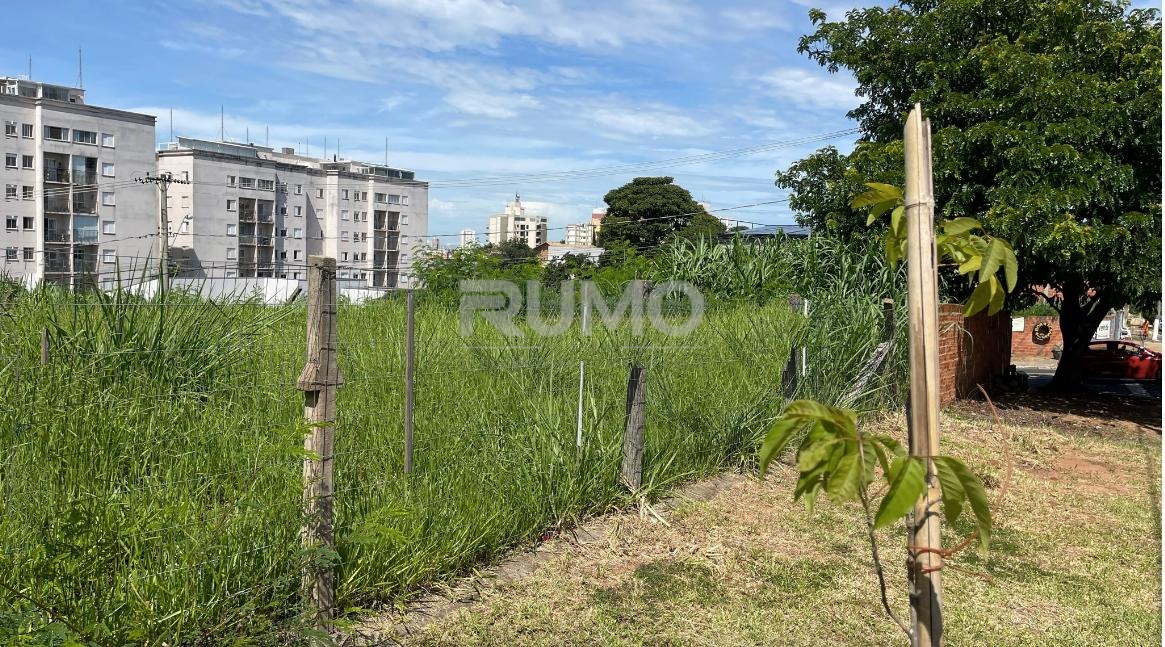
(1080, 316)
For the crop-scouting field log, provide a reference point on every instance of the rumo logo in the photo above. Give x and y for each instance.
(500, 302)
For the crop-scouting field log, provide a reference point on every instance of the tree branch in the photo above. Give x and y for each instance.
(878, 567)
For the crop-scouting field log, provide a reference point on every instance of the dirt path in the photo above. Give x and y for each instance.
(1075, 560)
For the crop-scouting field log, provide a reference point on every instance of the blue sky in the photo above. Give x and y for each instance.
(466, 88)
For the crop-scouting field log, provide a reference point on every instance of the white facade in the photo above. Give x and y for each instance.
(468, 238)
(582, 233)
(73, 213)
(251, 211)
(515, 223)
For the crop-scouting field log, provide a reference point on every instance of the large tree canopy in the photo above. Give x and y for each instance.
(647, 210)
(1047, 127)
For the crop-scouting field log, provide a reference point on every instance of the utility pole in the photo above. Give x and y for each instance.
(163, 182)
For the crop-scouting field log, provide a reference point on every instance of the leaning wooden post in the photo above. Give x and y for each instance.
(633, 431)
(319, 382)
(922, 281)
(789, 376)
(410, 359)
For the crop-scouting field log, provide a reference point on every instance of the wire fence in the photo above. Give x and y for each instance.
(153, 461)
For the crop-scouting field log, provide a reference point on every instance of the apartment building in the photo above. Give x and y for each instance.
(252, 211)
(515, 223)
(579, 234)
(467, 238)
(74, 215)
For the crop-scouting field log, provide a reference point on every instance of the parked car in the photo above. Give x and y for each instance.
(1122, 359)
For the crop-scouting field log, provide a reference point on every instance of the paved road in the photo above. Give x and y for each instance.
(1040, 376)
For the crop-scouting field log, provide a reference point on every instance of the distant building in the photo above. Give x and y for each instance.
(73, 214)
(252, 211)
(775, 231)
(515, 223)
(582, 233)
(597, 216)
(552, 252)
(468, 238)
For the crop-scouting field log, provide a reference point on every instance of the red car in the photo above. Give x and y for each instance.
(1122, 359)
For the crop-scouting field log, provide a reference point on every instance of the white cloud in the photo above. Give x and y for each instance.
(647, 120)
(756, 19)
(492, 105)
(811, 89)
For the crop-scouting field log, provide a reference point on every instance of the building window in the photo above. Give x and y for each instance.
(283, 211)
(232, 229)
(107, 199)
(10, 254)
(26, 130)
(380, 197)
(29, 254)
(26, 161)
(297, 233)
(230, 274)
(344, 194)
(404, 200)
(231, 180)
(107, 140)
(10, 128)
(85, 137)
(10, 160)
(107, 169)
(404, 240)
(298, 189)
(283, 233)
(299, 211)
(343, 214)
(343, 256)
(344, 236)
(10, 223)
(266, 185)
(404, 219)
(319, 193)
(185, 227)
(57, 133)
(26, 192)
(231, 255)
(230, 205)
(10, 191)
(295, 254)
(29, 222)
(246, 183)
(108, 256)
(108, 227)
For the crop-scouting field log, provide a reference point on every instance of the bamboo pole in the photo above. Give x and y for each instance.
(410, 359)
(922, 282)
(319, 382)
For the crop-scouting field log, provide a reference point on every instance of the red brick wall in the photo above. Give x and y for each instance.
(1024, 344)
(971, 351)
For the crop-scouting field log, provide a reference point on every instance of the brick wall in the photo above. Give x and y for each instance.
(971, 351)
(1025, 344)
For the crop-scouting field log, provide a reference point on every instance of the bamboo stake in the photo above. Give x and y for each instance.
(922, 280)
(410, 359)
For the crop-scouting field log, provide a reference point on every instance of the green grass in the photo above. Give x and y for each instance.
(151, 474)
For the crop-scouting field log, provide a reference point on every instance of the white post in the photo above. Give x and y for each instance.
(581, 373)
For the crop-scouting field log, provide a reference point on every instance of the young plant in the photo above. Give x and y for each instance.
(978, 257)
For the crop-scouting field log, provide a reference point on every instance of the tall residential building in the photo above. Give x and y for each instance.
(597, 216)
(73, 213)
(579, 234)
(252, 211)
(468, 238)
(515, 223)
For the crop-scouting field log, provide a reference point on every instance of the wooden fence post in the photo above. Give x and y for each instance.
(44, 346)
(410, 359)
(789, 377)
(319, 382)
(922, 282)
(633, 431)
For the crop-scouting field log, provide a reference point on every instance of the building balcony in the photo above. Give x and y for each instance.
(84, 177)
(266, 241)
(54, 236)
(84, 203)
(246, 239)
(56, 176)
(56, 204)
(56, 267)
(85, 236)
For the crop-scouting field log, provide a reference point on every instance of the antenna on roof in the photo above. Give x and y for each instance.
(80, 75)
(247, 134)
(222, 122)
(267, 137)
(171, 124)
(386, 150)
(30, 67)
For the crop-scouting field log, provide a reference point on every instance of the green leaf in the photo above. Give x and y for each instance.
(1010, 266)
(878, 192)
(980, 298)
(816, 453)
(811, 411)
(992, 259)
(975, 494)
(970, 265)
(776, 441)
(845, 480)
(952, 489)
(961, 225)
(906, 486)
(891, 249)
(997, 294)
(897, 222)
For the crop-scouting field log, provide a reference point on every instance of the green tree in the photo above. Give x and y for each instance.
(1046, 119)
(702, 226)
(646, 211)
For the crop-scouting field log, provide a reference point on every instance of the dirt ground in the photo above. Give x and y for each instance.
(1075, 560)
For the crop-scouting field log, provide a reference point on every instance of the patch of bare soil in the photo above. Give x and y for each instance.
(1085, 473)
(1088, 415)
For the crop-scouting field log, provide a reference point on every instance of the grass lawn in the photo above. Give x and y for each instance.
(1076, 557)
